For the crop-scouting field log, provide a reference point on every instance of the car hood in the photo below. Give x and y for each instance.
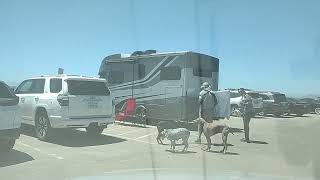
(176, 174)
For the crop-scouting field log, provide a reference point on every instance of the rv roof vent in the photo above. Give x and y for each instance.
(150, 51)
(114, 56)
(137, 53)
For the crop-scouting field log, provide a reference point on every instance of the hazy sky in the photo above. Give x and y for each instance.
(264, 45)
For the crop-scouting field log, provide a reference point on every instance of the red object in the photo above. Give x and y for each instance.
(127, 110)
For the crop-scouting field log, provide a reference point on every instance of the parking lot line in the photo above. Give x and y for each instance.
(137, 140)
(39, 151)
(144, 136)
(128, 132)
(114, 129)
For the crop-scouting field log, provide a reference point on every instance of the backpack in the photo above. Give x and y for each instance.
(209, 101)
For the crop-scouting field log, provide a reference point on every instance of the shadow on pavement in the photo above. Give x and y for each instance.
(227, 153)
(74, 138)
(236, 130)
(220, 144)
(299, 145)
(181, 152)
(260, 117)
(14, 157)
(258, 142)
(283, 116)
(132, 125)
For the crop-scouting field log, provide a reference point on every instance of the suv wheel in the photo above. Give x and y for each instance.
(94, 130)
(42, 126)
(7, 146)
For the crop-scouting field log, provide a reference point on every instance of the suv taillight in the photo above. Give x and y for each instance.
(63, 100)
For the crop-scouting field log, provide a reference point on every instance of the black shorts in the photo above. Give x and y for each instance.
(208, 116)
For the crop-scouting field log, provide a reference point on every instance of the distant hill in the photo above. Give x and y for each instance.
(311, 96)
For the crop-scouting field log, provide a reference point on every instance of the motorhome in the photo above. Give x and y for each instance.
(167, 85)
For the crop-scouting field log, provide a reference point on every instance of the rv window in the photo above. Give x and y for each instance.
(202, 72)
(142, 71)
(170, 73)
(116, 77)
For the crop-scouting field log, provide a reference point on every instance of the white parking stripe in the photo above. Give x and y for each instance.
(38, 150)
(128, 132)
(128, 138)
(26, 145)
(145, 136)
(114, 129)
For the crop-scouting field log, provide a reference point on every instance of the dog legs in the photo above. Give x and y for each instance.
(225, 143)
(173, 145)
(224, 136)
(209, 143)
(186, 144)
(159, 139)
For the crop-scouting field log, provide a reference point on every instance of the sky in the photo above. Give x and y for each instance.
(262, 45)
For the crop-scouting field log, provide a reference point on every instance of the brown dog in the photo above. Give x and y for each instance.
(216, 127)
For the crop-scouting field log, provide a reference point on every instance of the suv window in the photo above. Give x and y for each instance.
(87, 88)
(170, 73)
(55, 85)
(4, 91)
(33, 86)
(24, 87)
(264, 97)
(254, 95)
(279, 98)
(37, 86)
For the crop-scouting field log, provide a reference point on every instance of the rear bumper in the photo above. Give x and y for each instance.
(61, 122)
(10, 134)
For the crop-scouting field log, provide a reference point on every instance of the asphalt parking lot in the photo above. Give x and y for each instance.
(282, 148)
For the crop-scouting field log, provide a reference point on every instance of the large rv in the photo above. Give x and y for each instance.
(166, 84)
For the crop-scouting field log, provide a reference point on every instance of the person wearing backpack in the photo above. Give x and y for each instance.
(207, 101)
(246, 109)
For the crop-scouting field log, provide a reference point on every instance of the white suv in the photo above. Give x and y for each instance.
(65, 102)
(9, 124)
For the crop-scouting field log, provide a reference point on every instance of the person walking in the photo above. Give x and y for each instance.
(207, 101)
(246, 109)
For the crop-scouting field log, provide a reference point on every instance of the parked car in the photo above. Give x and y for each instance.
(314, 103)
(274, 103)
(9, 123)
(297, 107)
(236, 99)
(64, 101)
